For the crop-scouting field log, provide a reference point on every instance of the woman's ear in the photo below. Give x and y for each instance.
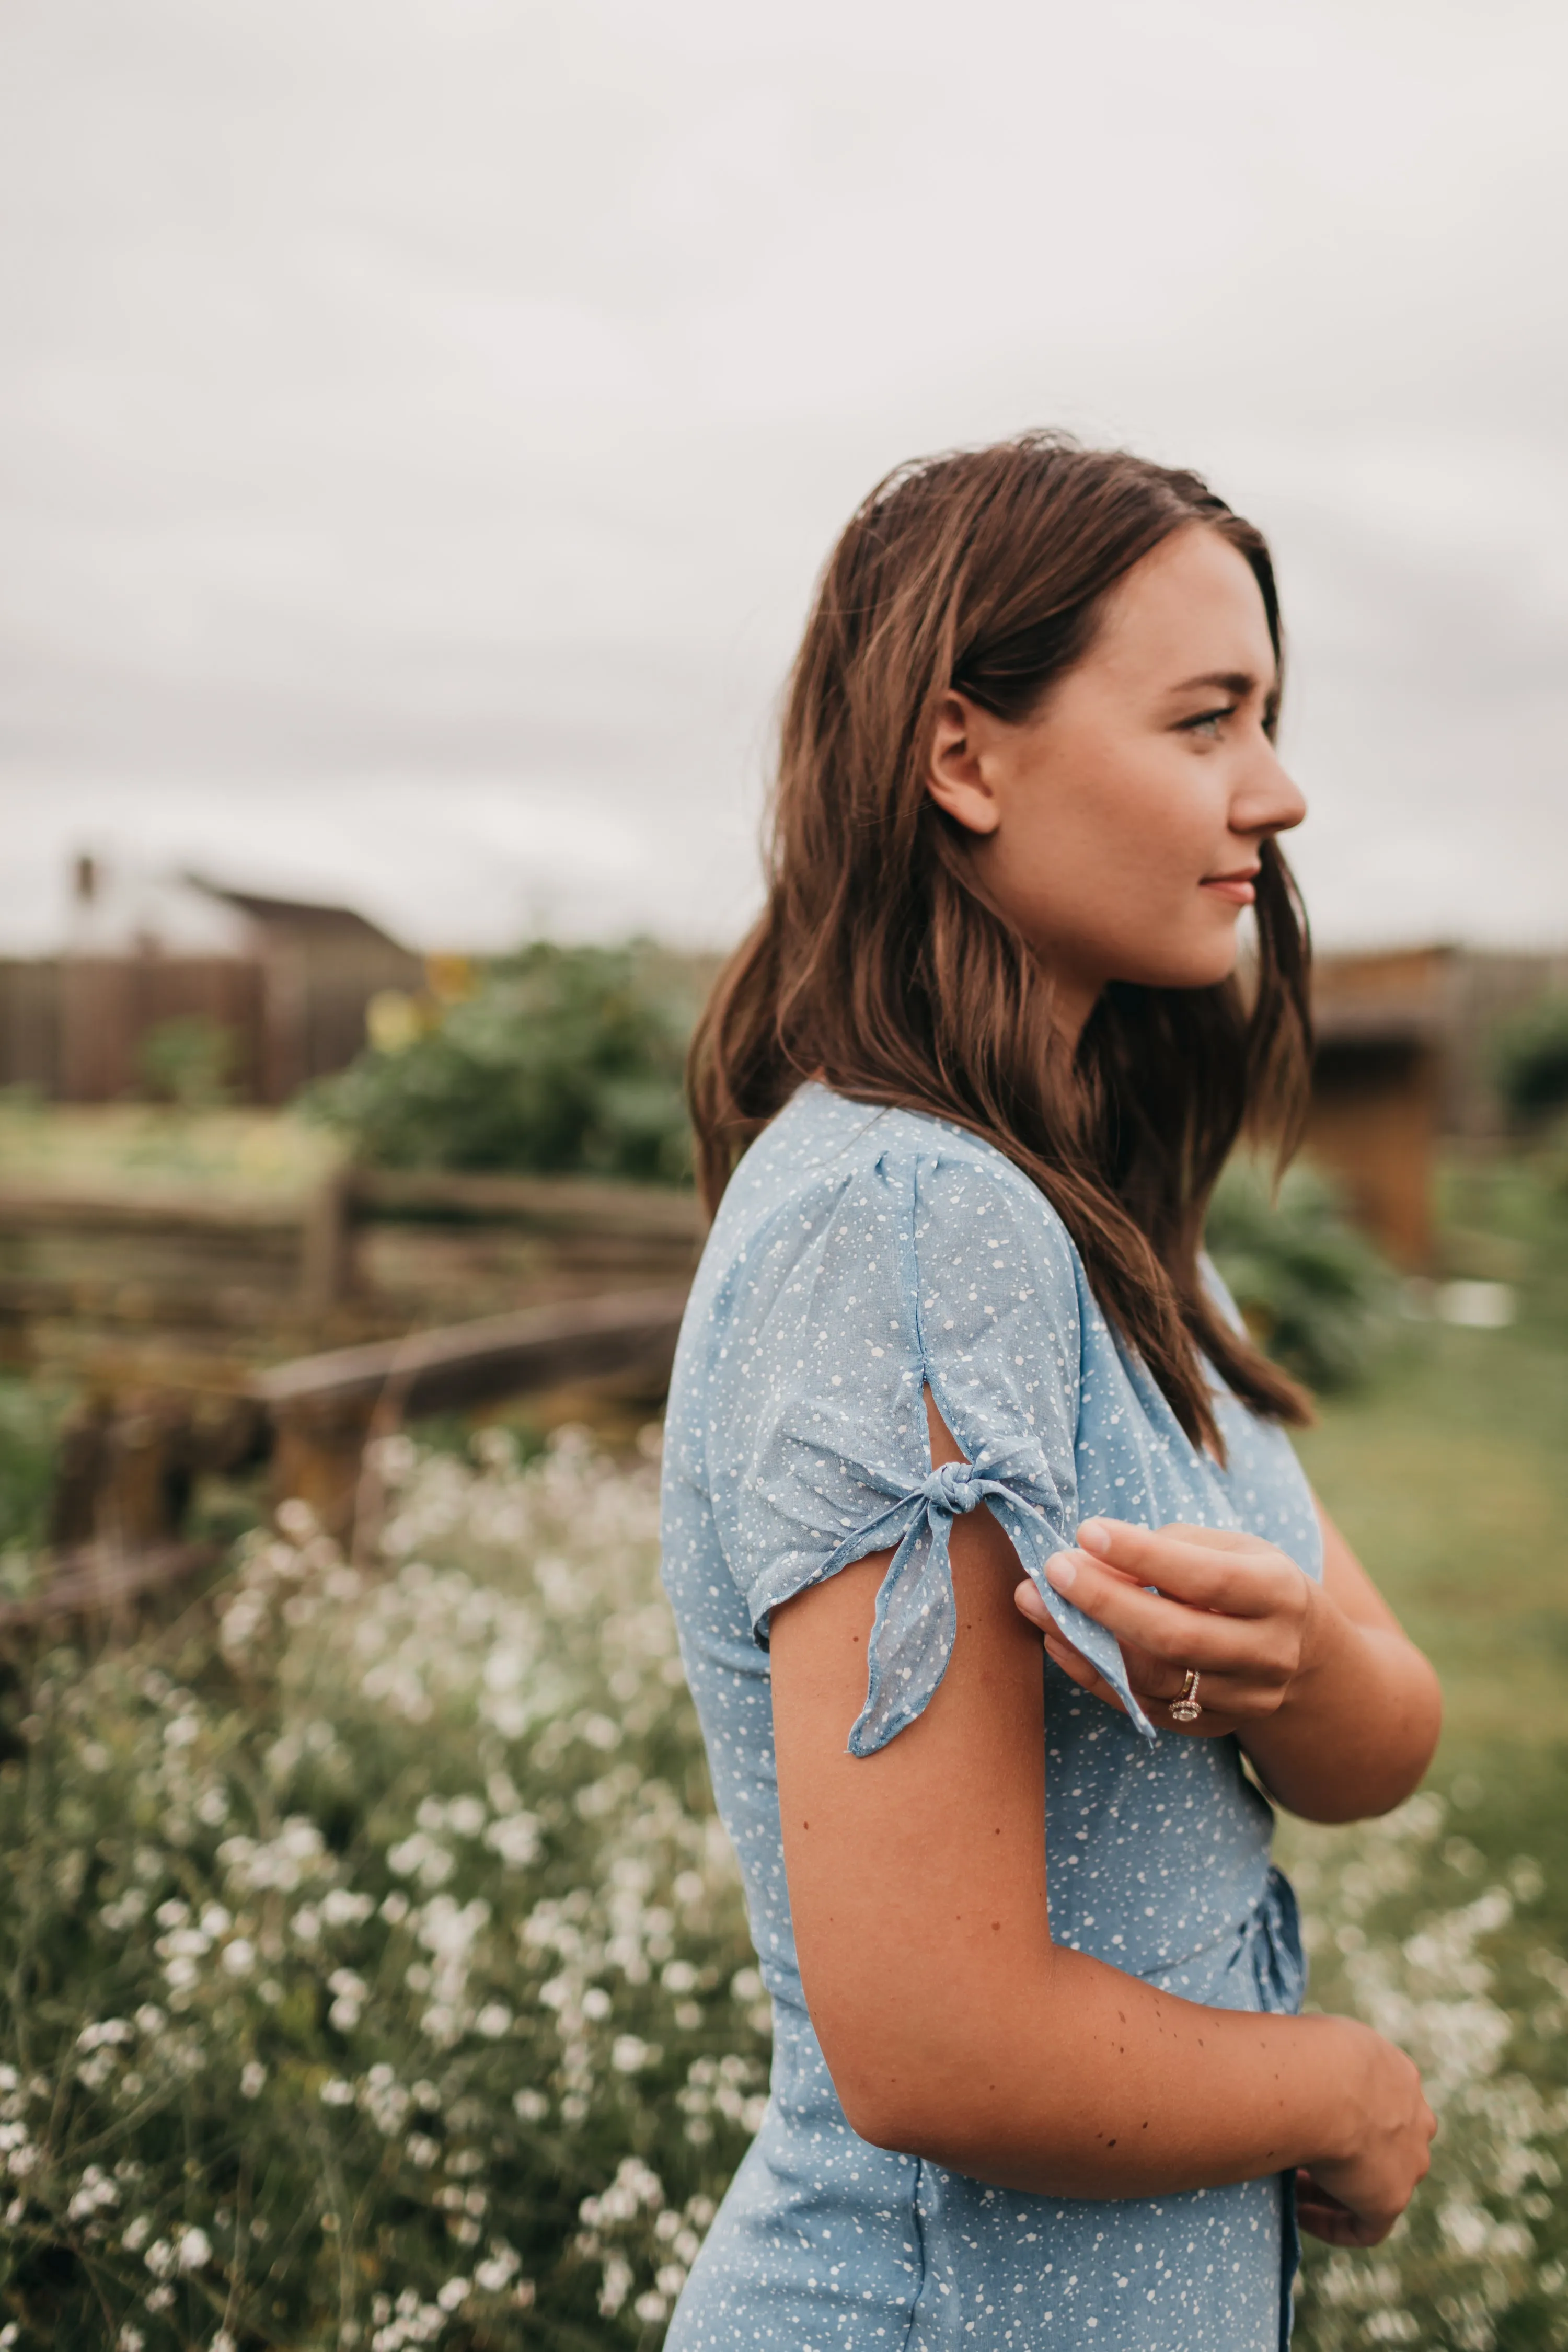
(959, 778)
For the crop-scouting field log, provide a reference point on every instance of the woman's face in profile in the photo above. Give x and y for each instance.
(1119, 827)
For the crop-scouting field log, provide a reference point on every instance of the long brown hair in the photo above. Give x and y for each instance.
(878, 969)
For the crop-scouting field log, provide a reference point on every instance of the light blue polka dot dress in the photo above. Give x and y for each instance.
(858, 1257)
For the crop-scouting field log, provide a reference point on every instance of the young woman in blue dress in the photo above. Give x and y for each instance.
(955, 1377)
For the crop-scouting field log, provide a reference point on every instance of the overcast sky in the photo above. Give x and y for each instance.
(421, 420)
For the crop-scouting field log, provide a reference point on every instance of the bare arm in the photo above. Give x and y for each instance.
(954, 2028)
(1339, 1711)
(1360, 1725)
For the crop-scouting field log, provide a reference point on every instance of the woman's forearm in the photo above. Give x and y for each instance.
(1359, 1726)
(1070, 2078)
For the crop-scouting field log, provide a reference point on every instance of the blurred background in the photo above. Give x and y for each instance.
(420, 427)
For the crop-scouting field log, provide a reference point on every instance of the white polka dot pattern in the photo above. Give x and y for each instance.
(858, 1257)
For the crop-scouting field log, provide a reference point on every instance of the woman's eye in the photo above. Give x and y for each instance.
(1207, 722)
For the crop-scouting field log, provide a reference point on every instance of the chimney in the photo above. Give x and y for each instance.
(85, 880)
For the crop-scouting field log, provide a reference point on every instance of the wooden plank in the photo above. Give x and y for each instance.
(325, 1261)
(567, 1204)
(473, 1363)
(100, 1581)
(26, 1209)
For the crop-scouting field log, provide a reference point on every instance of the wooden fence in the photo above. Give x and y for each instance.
(206, 1335)
(367, 1255)
(75, 1028)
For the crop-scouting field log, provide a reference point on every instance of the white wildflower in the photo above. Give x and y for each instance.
(95, 2193)
(341, 1908)
(515, 1837)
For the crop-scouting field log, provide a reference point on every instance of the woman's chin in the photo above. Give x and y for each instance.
(1203, 968)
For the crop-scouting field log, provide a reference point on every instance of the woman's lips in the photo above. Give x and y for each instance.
(1236, 887)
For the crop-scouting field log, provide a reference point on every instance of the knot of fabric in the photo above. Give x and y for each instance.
(916, 1619)
(955, 1487)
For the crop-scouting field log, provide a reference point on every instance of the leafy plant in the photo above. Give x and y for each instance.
(1532, 1059)
(1314, 1292)
(29, 1424)
(190, 1061)
(564, 1059)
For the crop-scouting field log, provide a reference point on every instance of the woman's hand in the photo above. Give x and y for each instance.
(1227, 1605)
(1354, 2196)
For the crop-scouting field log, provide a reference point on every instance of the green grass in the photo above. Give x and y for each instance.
(118, 1148)
(1448, 1472)
(1449, 1478)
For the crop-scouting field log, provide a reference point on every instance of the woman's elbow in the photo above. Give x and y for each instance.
(885, 2100)
(899, 2125)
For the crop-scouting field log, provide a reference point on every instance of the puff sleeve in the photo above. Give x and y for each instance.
(939, 1268)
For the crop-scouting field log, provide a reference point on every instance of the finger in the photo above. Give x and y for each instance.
(1308, 2187)
(1156, 1685)
(1072, 1662)
(1079, 1669)
(1028, 1603)
(1326, 2216)
(1171, 1631)
(1336, 2228)
(1208, 1568)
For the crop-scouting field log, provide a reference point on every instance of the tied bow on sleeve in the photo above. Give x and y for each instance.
(916, 1619)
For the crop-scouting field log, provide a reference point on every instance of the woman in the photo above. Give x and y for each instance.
(1038, 2080)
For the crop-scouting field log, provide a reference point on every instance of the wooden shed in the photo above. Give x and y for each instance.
(1406, 1039)
(287, 981)
(1382, 1024)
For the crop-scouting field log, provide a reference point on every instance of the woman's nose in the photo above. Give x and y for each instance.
(1269, 799)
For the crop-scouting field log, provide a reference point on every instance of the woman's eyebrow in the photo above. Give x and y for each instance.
(1239, 682)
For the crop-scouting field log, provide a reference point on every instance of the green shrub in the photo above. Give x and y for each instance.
(566, 1059)
(1315, 1292)
(190, 1061)
(30, 1425)
(1532, 1060)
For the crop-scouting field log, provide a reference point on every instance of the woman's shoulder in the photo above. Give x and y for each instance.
(845, 1210)
(824, 1147)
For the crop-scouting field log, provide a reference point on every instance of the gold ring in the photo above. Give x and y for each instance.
(1186, 1706)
